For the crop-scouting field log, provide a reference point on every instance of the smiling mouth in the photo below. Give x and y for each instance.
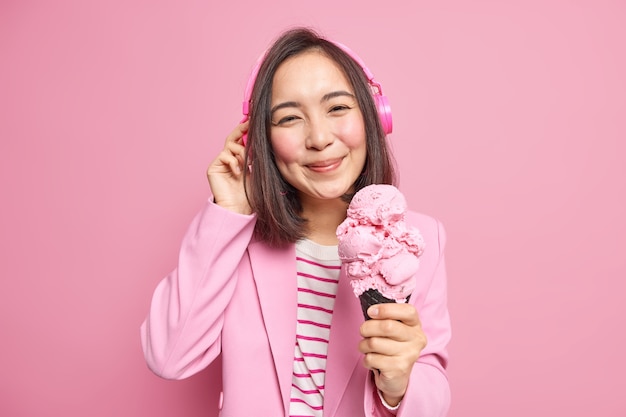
(325, 166)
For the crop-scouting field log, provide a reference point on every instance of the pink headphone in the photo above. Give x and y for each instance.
(381, 101)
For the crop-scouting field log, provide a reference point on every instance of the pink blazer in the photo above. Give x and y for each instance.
(235, 296)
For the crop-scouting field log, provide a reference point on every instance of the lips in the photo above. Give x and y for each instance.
(325, 166)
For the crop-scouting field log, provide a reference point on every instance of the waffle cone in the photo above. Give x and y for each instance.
(371, 297)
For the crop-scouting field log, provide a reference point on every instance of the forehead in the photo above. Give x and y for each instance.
(312, 66)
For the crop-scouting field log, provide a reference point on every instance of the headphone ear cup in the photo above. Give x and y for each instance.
(384, 112)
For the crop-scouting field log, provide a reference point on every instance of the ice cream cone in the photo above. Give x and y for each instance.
(371, 297)
(377, 248)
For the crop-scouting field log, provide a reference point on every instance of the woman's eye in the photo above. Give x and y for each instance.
(285, 120)
(339, 107)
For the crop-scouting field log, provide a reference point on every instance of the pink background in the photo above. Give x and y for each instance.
(510, 126)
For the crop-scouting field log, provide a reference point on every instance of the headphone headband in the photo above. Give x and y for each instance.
(382, 104)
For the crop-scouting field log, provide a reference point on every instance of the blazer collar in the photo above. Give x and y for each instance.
(343, 353)
(275, 277)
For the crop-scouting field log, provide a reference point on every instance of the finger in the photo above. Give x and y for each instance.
(225, 163)
(384, 328)
(235, 167)
(394, 330)
(237, 163)
(380, 345)
(386, 366)
(404, 312)
(374, 362)
(233, 153)
(236, 148)
(241, 129)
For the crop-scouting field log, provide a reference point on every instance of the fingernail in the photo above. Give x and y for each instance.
(372, 311)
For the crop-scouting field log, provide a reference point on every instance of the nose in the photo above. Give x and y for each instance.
(319, 135)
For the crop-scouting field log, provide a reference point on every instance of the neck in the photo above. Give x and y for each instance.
(323, 217)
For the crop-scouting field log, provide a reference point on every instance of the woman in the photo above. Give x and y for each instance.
(258, 279)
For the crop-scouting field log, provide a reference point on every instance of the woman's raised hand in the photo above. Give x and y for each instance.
(227, 171)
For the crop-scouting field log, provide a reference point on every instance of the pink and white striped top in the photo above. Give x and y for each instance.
(318, 269)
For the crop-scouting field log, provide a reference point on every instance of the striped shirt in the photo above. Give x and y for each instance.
(318, 273)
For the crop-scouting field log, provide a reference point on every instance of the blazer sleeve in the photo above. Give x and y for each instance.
(181, 334)
(428, 392)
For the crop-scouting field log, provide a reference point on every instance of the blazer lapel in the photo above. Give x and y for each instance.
(343, 354)
(275, 276)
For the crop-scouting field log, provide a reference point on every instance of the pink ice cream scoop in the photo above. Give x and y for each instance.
(377, 248)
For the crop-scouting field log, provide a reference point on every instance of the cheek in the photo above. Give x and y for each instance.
(352, 131)
(285, 148)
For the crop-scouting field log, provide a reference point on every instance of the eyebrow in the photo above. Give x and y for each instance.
(326, 97)
(340, 93)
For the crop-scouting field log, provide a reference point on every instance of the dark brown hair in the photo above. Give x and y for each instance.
(275, 201)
